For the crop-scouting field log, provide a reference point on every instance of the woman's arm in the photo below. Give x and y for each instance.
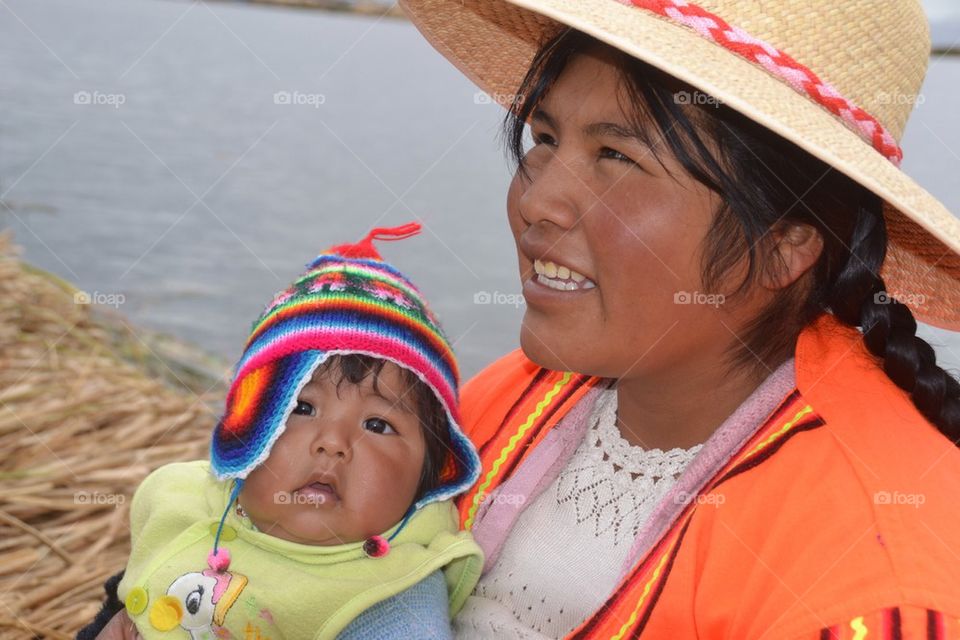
(422, 612)
(120, 627)
(108, 610)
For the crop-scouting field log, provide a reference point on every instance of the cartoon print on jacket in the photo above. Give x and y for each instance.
(198, 602)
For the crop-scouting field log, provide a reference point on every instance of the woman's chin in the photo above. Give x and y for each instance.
(550, 348)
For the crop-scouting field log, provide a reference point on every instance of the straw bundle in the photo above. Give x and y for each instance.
(87, 409)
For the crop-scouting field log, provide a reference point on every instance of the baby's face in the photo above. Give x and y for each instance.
(345, 468)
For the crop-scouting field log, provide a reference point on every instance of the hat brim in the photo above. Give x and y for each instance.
(493, 42)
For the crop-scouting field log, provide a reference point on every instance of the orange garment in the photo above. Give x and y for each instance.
(838, 518)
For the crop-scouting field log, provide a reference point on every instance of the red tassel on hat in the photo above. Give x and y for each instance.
(365, 248)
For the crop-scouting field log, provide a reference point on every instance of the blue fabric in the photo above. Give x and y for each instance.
(422, 612)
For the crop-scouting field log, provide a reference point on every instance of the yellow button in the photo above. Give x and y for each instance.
(166, 613)
(136, 600)
(228, 533)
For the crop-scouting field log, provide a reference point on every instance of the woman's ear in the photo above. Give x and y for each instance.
(796, 248)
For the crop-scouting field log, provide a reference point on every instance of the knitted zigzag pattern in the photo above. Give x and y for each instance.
(800, 78)
(340, 305)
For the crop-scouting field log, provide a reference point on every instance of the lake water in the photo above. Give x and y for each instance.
(147, 159)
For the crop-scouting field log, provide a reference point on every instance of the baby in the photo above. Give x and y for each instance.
(325, 508)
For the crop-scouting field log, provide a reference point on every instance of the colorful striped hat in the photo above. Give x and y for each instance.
(349, 301)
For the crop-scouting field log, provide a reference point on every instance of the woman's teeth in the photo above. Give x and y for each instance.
(557, 276)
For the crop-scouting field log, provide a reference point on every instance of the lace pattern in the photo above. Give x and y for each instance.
(613, 485)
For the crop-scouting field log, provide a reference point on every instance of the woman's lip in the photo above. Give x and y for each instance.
(535, 292)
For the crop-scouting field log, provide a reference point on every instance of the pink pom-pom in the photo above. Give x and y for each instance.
(376, 546)
(219, 560)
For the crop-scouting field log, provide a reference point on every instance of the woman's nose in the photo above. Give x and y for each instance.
(550, 194)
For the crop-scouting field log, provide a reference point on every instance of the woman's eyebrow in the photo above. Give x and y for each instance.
(596, 129)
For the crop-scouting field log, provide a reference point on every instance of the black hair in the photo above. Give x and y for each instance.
(354, 368)
(765, 183)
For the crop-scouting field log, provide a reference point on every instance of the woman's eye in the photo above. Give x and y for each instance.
(616, 155)
(304, 409)
(542, 138)
(378, 425)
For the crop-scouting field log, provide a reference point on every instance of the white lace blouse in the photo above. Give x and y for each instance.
(565, 552)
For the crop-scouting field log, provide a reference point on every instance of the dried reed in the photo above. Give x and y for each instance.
(88, 407)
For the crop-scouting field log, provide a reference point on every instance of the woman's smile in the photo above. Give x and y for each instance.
(560, 277)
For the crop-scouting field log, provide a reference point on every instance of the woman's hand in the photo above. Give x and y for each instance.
(120, 627)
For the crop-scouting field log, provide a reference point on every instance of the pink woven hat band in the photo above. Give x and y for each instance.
(837, 79)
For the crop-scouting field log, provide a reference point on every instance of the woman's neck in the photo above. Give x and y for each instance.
(682, 408)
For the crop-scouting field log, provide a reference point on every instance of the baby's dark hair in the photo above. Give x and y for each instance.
(354, 368)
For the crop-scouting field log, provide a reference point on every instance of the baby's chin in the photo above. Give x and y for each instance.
(312, 533)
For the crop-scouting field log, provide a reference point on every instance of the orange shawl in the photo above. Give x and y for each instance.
(836, 519)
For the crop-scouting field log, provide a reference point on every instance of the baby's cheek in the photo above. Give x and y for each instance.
(258, 494)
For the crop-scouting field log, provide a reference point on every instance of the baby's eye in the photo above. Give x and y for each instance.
(304, 409)
(378, 425)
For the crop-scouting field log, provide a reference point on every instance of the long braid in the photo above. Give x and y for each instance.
(859, 298)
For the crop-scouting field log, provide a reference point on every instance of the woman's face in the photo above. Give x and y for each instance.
(346, 467)
(609, 243)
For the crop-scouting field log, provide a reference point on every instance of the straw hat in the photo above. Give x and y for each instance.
(836, 77)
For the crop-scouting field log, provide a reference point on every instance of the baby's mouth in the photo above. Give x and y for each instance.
(316, 493)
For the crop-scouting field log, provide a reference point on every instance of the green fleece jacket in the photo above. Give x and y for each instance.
(273, 588)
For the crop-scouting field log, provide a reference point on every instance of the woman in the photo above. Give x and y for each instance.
(721, 422)
(709, 210)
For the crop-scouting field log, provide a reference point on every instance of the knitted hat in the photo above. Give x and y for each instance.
(838, 78)
(349, 301)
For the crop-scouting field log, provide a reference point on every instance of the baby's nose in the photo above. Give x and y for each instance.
(332, 441)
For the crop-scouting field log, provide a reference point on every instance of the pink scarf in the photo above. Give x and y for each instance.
(498, 513)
